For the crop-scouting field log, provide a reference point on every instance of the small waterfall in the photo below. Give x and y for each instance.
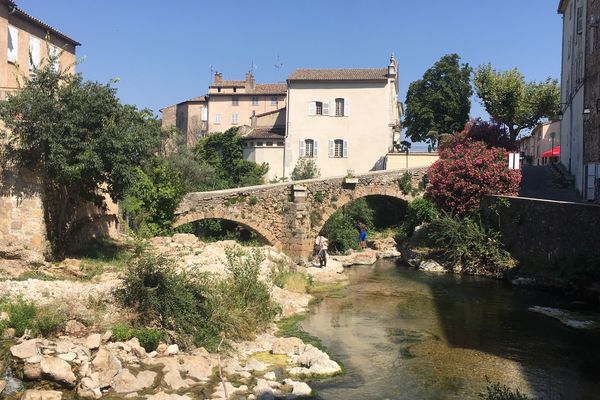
(13, 384)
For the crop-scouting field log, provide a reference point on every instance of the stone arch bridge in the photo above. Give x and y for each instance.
(290, 215)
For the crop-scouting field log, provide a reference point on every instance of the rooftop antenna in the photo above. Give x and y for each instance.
(278, 66)
(253, 67)
(212, 73)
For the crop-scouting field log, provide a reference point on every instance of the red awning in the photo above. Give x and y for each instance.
(555, 152)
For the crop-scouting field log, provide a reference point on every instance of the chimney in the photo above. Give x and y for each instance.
(218, 77)
(253, 119)
(250, 82)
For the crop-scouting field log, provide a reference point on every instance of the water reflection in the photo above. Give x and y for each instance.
(408, 335)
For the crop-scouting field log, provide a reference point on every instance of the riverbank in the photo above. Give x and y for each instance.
(88, 359)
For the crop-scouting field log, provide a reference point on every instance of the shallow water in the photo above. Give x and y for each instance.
(404, 334)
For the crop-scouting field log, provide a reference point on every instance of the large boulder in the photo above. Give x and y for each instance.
(126, 382)
(41, 395)
(315, 362)
(429, 265)
(299, 389)
(107, 365)
(186, 239)
(27, 349)
(93, 341)
(198, 367)
(75, 328)
(57, 370)
(89, 387)
(289, 346)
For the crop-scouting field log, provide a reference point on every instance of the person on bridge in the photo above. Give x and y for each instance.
(362, 235)
(321, 244)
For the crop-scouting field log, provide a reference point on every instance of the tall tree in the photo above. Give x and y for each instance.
(513, 102)
(79, 139)
(439, 102)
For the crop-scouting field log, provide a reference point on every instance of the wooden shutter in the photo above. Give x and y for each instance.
(332, 107)
(346, 107)
(312, 108)
(301, 148)
(345, 149)
(13, 44)
(325, 108)
(331, 148)
(204, 114)
(315, 148)
(34, 52)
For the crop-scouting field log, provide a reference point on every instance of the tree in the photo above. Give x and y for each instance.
(305, 168)
(79, 139)
(439, 102)
(513, 102)
(468, 171)
(492, 134)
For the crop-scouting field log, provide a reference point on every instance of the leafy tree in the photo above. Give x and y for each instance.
(513, 102)
(79, 139)
(223, 152)
(305, 168)
(466, 172)
(439, 102)
(492, 134)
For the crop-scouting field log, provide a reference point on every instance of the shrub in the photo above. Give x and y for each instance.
(149, 338)
(305, 168)
(498, 391)
(468, 171)
(319, 196)
(341, 232)
(478, 130)
(466, 243)
(419, 211)
(252, 200)
(122, 332)
(49, 320)
(21, 316)
(282, 276)
(405, 183)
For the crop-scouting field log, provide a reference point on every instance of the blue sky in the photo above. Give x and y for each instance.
(162, 51)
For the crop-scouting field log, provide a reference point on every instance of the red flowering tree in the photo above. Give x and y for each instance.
(466, 172)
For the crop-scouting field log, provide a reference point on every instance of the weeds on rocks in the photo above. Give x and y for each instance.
(27, 317)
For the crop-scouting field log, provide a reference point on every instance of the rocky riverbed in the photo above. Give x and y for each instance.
(86, 360)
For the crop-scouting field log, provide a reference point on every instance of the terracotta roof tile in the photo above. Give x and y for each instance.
(264, 133)
(268, 88)
(338, 74)
(21, 13)
(228, 83)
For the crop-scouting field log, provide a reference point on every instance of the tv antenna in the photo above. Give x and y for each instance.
(253, 67)
(212, 73)
(278, 66)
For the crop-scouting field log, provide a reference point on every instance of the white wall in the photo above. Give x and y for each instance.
(273, 156)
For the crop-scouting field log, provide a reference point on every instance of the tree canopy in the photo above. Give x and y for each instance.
(79, 139)
(512, 101)
(439, 102)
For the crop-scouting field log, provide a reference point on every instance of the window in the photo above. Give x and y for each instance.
(280, 144)
(234, 90)
(319, 107)
(274, 101)
(245, 144)
(219, 90)
(259, 144)
(309, 148)
(234, 118)
(13, 44)
(217, 118)
(255, 101)
(235, 101)
(269, 144)
(579, 20)
(339, 107)
(34, 53)
(204, 114)
(338, 148)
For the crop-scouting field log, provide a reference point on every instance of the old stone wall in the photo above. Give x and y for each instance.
(538, 232)
(591, 136)
(290, 215)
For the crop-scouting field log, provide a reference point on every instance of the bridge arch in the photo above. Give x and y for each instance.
(263, 231)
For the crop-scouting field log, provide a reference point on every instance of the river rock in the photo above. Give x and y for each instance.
(42, 395)
(93, 341)
(431, 266)
(126, 382)
(315, 362)
(68, 356)
(27, 349)
(198, 367)
(165, 396)
(32, 371)
(173, 380)
(57, 370)
(288, 345)
(186, 239)
(64, 346)
(74, 328)
(263, 390)
(89, 387)
(107, 365)
(172, 350)
(219, 393)
(255, 365)
(136, 348)
(299, 389)
(2, 385)
(107, 336)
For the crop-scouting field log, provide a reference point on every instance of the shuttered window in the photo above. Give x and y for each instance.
(339, 107)
(234, 118)
(338, 148)
(319, 107)
(13, 44)
(255, 101)
(34, 53)
(217, 118)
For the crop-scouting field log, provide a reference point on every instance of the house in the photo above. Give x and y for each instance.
(28, 41)
(189, 116)
(233, 102)
(343, 119)
(544, 138)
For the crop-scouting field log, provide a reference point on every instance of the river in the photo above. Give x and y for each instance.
(405, 334)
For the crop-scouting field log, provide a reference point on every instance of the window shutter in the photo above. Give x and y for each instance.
(315, 148)
(345, 148)
(325, 108)
(331, 144)
(34, 52)
(301, 148)
(312, 108)
(205, 114)
(346, 107)
(332, 105)
(13, 44)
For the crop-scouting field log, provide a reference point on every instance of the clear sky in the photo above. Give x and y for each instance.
(162, 51)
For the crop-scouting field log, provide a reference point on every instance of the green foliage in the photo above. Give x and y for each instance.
(39, 275)
(149, 338)
(468, 244)
(79, 139)
(252, 200)
(23, 315)
(513, 102)
(50, 320)
(405, 183)
(439, 102)
(122, 332)
(498, 391)
(212, 230)
(419, 211)
(319, 196)
(305, 168)
(284, 277)
(341, 228)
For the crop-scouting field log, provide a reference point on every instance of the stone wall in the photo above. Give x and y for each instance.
(290, 215)
(591, 136)
(538, 232)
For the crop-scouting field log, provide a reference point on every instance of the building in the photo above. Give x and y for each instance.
(190, 117)
(345, 120)
(542, 139)
(28, 42)
(233, 102)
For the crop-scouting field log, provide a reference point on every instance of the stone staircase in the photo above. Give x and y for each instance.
(562, 177)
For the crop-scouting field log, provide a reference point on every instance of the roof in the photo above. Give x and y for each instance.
(21, 13)
(194, 99)
(229, 83)
(562, 6)
(271, 112)
(339, 74)
(264, 133)
(268, 88)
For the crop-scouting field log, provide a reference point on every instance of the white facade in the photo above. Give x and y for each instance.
(572, 80)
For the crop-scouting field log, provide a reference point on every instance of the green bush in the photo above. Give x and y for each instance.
(405, 183)
(149, 338)
(305, 168)
(419, 211)
(467, 243)
(341, 232)
(122, 332)
(284, 277)
(21, 316)
(498, 391)
(49, 320)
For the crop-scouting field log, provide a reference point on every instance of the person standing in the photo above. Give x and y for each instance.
(362, 235)
(321, 243)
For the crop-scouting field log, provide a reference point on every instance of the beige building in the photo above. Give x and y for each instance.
(543, 138)
(28, 41)
(403, 160)
(190, 117)
(233, 102)
(343, 119)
